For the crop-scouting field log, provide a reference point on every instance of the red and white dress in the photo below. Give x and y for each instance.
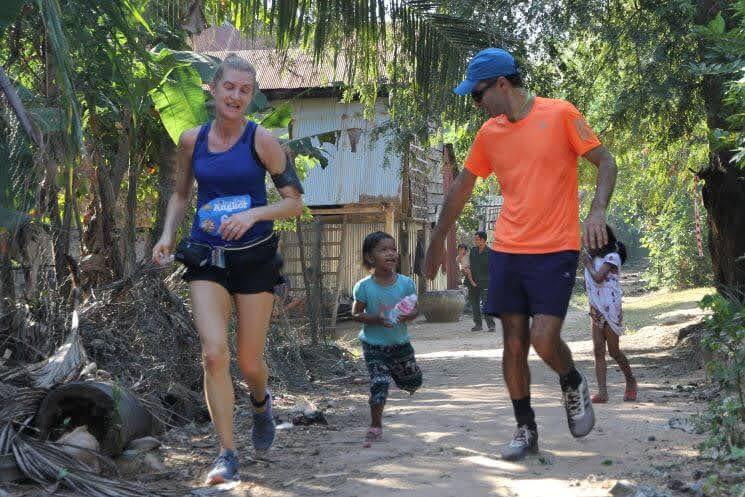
(605, 297)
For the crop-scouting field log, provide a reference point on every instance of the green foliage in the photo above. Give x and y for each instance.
(634, 68)
(278, 118)
(724, 337)
(627, 66)
(180, 101)
(304, 150)
(655, 194)
(205, 65)
(9, 10)
(724, 58)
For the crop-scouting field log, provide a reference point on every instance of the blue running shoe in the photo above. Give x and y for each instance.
(225, 468)
(263, 429)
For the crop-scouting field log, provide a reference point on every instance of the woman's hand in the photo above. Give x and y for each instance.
(162, 250)
(235, 226)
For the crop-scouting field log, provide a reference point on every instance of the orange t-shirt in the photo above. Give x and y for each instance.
(535, 161)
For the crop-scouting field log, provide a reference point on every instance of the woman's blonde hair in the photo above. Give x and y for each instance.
(232, 61)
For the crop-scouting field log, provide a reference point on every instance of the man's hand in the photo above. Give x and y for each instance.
(455, 199)
(434, 258)
(594, 230)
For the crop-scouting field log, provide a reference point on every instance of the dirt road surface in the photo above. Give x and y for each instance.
(444, 441)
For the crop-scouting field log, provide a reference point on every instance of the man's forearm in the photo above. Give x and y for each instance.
(455, 199)
(607, 172)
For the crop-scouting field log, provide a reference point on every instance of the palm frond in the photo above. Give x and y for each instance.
(14, 100)
(436, 38)
(63, 65)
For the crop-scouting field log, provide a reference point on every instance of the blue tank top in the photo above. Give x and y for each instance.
(237, 171)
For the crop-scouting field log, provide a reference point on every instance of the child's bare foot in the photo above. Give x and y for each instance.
(631, 391)
(599, 398)
(373, 435)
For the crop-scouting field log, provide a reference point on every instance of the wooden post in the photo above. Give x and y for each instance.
(423, 281)
(451, 268)
(307, 282)
(316, 310)
(403, 246)
(340, 266)
(390, 216)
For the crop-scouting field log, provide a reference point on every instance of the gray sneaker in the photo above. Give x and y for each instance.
(578, 405)
(264, 430)
(524, 441)
(225, 468)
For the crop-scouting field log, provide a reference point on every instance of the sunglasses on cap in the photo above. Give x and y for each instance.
(477, 95)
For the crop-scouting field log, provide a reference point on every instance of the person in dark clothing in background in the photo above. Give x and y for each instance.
(479, 269)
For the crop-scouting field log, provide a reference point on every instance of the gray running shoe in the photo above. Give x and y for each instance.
(225, 468)
(578, 405)
(524, 441)
(264, 429)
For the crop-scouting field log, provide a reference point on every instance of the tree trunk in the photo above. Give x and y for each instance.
(166, 182)
(105, 198)
(724, 198)
(7, 284)
(62, 238)
(106, 209)
(121, 161)
(51, 209)
(724, 182)
(130, 232)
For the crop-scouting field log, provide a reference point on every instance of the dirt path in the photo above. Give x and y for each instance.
(444, 440)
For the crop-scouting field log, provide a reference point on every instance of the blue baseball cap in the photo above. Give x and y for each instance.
(487, 64)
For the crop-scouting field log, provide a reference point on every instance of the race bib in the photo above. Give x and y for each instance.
(212, 214)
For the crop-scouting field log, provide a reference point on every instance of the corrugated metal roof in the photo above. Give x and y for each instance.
(226, 37)
(290, 69)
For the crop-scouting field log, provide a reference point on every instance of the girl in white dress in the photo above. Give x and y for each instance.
(603, 284)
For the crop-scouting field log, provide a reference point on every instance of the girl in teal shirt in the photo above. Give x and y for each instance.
(386, 347)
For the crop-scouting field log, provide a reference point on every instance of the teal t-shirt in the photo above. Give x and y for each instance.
(379, 298)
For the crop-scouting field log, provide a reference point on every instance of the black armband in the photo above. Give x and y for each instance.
(288, 177)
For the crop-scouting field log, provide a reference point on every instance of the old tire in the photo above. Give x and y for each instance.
(113, 415)
(443, 306)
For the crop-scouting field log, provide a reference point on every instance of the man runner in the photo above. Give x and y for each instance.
(532, 145)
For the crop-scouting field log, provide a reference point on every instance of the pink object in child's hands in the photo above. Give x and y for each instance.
(404, 307)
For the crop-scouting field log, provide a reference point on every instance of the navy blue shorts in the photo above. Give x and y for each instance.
(531, 283)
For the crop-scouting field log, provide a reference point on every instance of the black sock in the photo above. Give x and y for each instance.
(524, 414)
(259, 404)
(571, 380)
